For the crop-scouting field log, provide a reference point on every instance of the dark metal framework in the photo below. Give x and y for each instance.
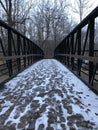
(77, 50)
(16, 52)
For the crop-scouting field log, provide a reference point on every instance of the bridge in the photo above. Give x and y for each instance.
(49, 94)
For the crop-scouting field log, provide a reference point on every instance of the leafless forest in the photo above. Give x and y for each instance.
(43, 21)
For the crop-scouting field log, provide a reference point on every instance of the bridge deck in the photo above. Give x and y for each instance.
(47, 96)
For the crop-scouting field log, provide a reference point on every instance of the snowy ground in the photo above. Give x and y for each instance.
(46, 96)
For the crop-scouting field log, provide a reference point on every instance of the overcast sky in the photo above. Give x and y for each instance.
(94, 4)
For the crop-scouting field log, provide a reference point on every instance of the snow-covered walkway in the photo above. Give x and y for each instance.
(47, 96)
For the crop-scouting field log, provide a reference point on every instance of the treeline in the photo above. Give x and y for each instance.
(46, 22)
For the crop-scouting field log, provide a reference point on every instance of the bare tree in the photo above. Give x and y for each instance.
(82, 8)
(46, 22)
(15, 11)
(51, 23)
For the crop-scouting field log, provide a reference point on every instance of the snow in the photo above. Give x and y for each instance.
(39, 99)
(11, 117)
(58, 98)
(50, 96)
(5, 106)
(42, 120)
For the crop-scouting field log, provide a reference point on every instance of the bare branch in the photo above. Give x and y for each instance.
(3, 6)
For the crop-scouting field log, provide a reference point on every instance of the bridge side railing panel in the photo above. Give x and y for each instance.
(79, 50)
(16, 52)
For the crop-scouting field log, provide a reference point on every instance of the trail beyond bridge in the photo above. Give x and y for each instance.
(47, 96)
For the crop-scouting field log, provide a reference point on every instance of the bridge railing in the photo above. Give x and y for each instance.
(79, 49)
(16, 52)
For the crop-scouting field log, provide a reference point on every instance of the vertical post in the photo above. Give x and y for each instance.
(68, 50)
(24, 51)
(63, 58)
(28, 51)
(34, 52)
(91, 48)
(31, 50)
(65, 50)
(18, 52)
(72, 51)
(79, 52)
(9, 53)
(61, 51)
(30, 47)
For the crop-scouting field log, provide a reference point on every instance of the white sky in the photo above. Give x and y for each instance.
(75, 16)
